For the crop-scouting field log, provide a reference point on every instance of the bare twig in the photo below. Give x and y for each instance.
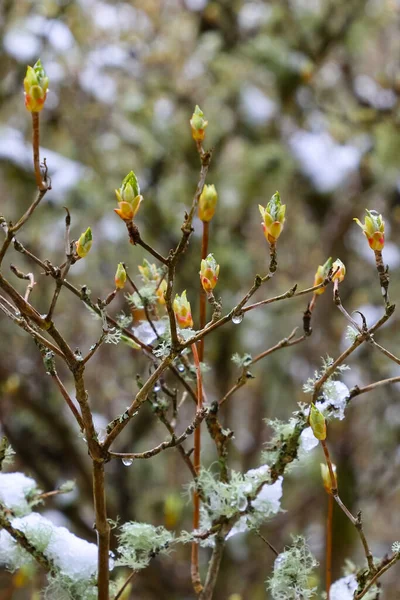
(173, 442)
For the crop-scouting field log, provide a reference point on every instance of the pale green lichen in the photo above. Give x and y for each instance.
(293, 573)
(138, 542)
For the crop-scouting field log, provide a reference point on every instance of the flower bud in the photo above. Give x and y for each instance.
(182, 310)
(374, 229)
(84, 243)
(129, 198)
(160, 291)
(326, 477)
(36, 84)
(273, 218)
(207, 203)
(321, 275)
(339, 270)
(149, 272)
(198, 124)
(120, 277)
(209, 271)
(317, 423)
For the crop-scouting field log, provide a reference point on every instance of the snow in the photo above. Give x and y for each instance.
(269, 497)
(338, 392)
(145, 332)
(324, 161)
(14, 488)
(308, 441)
(344, 588)
(74, 557)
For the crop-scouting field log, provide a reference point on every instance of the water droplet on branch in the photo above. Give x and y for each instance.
(237, 318)
(127, 462)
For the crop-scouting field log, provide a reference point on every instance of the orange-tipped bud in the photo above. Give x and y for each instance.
(207, 203)
(326, 477)
(317, 423)
(84, 243)
(36, 85)
(374, 229)
(339, 270)
(198, 124)
(182, 310)
(160, 291)
(321, 275)
(120, 277)
(129, 198)
(209, 271)
(273, 216)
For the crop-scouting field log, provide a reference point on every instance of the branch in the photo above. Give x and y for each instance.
(174, 441)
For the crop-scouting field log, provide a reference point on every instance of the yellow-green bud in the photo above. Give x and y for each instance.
(36, 84)
(339, 270)
(326, 477)
(209, 271)
(273, 216)
(183, 311)
(207, 203)
(317, 423)
(84, 243)
(198, 124)
(129, 198)
(322, 274)
(374, 229)
(120, 277)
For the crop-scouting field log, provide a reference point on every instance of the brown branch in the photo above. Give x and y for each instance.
(68, 400)
(173, 442)
(103, 531)
(36, 156)
(119, 424)
(356, 521)
(328, 550)
(357, 342)
(245, 376)
(194, 568)
(356, 391)
(378, 574)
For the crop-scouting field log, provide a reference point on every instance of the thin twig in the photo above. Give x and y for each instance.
(270, 546)
(68, 399)
(173, 442)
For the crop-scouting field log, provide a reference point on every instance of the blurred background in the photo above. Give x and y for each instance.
(301, 96)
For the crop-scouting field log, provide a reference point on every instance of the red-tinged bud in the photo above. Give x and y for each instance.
(36, 85)
(209, 271)
(120, 277)
(374, 229)
(198, 125)
(339, 270)
(160, 291)
(182, 310)
(321, 275)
